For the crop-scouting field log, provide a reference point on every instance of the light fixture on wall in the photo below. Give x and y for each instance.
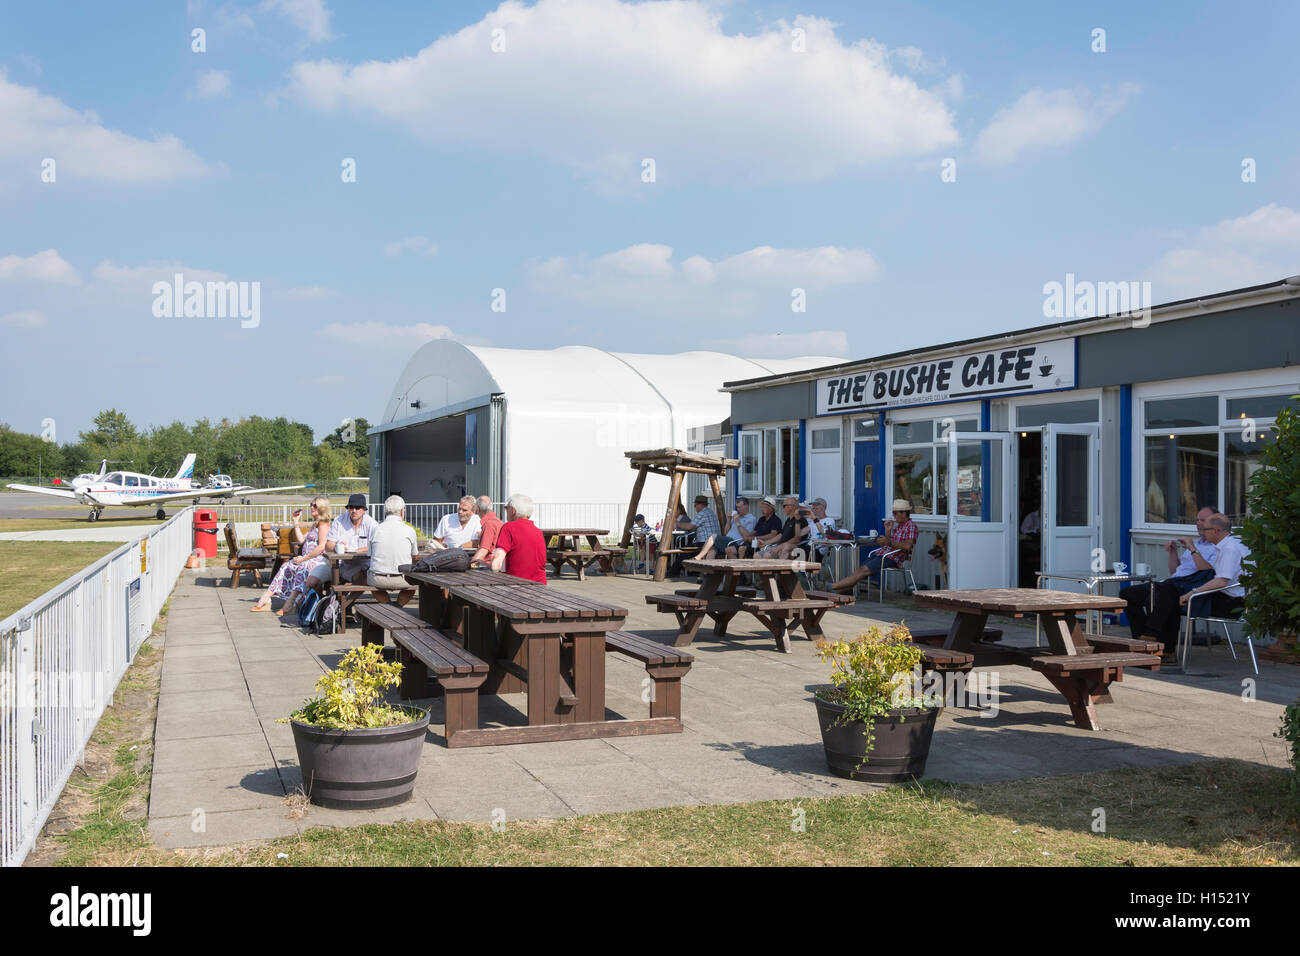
(415, 404)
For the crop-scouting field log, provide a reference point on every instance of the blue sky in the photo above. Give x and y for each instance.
(521, 169)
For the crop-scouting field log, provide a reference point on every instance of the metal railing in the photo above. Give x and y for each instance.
(61, 659)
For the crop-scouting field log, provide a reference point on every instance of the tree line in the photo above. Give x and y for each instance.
(252, 450)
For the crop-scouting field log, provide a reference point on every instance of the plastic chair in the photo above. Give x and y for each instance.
(1189, 630)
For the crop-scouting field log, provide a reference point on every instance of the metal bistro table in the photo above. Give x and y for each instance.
(1092, 580)
(839, 558)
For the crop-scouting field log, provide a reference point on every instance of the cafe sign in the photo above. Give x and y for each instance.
(1041, 367)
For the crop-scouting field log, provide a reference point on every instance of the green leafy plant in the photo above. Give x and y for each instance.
(351, 695)
(1290, 732)
(871, 675)
(1272, 532)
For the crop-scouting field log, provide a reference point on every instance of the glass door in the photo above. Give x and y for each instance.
(980, 513)
(1071, 512)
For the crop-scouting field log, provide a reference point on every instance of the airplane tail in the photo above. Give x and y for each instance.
(187, 466)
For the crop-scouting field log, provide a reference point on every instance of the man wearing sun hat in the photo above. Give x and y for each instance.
(896, 547)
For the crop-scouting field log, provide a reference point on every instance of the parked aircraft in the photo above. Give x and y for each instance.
(131, 489)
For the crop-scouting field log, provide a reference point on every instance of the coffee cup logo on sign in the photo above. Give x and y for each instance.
(1121, 567)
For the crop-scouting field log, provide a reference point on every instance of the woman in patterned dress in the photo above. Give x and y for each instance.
(289, 582)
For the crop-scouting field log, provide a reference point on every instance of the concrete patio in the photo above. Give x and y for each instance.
(223, 764)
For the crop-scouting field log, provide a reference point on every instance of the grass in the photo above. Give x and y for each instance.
(30, 568)
(79, 522)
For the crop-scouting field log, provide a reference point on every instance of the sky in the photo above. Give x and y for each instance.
(767, 179)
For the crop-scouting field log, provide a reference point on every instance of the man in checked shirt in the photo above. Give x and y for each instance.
(899, 540)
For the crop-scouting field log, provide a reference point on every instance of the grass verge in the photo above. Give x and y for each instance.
(30, 568)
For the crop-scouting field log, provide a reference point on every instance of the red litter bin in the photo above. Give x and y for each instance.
(205, 532)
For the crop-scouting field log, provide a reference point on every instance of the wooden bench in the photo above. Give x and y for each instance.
(1084, 679)
(837, 599)
(350, 596)
(937, 635)
(945, 661)
(1103, 642)
(423, 650)
(665, 665)
(239, 559)
(740, 592)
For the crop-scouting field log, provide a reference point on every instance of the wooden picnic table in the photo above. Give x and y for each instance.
(1070, 663)
(779, 602)
(568, 550)
(554, 643)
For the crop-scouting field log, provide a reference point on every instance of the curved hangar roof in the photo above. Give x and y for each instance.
(664, 394)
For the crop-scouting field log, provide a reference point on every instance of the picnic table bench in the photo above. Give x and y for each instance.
(239, 560)
(424, 650)
(665, 665)
(1070, 662)
(568, 550)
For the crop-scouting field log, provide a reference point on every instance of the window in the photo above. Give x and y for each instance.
(921, 462)
(1202, 450)
(825, 439)
(132, 481)
(866, 429)
(770, 460)
(751, 447)
(114, 479)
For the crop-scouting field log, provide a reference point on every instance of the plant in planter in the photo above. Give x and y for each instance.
(357, 751)
(873, 725)
(1272, 532)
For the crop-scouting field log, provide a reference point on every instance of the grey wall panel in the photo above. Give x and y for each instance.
(1239, 340)
(778, 403)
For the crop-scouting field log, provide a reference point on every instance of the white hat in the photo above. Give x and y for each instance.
(901, 504)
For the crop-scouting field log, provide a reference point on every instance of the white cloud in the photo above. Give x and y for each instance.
(26, 319)
(1046, 118)
(106, 271)
(34, 125)
(782, 345)
(312, 17)
(1261, 246)
(386, 335)
(213, 83)
(597, 85)
(47, 266)
(646, 274)
(412, 244)
(314, 293)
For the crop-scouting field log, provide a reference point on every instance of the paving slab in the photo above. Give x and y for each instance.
(222, 827)
(180, 755)
(248, 787)
(242, 720)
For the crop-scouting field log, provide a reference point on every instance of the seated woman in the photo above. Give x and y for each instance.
(290, 581)
(899, 540)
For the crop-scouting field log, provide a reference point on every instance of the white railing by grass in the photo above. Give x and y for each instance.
(61, 658)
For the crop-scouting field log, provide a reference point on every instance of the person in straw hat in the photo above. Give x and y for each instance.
(895, 547)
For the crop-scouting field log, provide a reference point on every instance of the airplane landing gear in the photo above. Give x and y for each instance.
(94, 515)
(161, 514)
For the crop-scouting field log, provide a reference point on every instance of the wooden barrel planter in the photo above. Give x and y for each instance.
(360, 769)
(898, 753)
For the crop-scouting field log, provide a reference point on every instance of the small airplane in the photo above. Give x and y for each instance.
(134, 490)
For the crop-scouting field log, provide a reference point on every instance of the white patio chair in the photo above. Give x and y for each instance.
(1189, 630)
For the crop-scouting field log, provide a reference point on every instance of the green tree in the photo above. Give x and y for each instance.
(23, 455)
(165, 449)
(112, 429)
(1272, 532)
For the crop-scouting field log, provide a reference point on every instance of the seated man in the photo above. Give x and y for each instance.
(1232, 554)
(899, 540)
(740, 528)
(489, 527)
(705, 525)
(794, 532)
(520, 549)
(1193, 568)
(767, 530)
(641, 529)
(819, 523)
(459, 530)
(352, 529)
(392, 545)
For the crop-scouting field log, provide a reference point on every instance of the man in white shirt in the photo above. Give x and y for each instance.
(353, 530)
(459, 529)
(1192, 568)
(740, 528)
(1232, 554)
(392, 545)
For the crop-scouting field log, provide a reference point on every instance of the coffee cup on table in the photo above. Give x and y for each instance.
(1121, 567)
(1142, 570)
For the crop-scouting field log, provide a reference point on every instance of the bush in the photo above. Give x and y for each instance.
(1272, 532)
(351, 694)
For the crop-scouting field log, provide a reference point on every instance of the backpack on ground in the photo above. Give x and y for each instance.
(309, 610)
(327, 620)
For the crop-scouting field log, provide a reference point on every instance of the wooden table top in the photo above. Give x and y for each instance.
(745, 565)
(334, 557)
(1017, 600)
(567, 531)
(481, 577)
(520, 602)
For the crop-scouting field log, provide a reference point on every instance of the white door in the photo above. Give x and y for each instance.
(1071, 501)
(981, 516)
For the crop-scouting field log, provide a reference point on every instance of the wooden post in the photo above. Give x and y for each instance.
(632, 505)
(719, 503)
(670, 521)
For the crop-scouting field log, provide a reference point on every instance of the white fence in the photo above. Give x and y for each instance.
(61, 658)
(425, 515)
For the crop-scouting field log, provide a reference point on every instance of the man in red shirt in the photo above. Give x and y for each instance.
(491, 526)
(520, 548)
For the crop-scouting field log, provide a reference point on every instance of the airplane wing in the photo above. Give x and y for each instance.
(58, 493)
(243, 491)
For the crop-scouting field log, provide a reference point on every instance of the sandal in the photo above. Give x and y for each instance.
(260, 607)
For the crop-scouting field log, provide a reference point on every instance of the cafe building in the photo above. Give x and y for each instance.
(1060, 448)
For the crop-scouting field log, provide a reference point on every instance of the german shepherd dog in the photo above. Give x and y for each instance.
(939, 552)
